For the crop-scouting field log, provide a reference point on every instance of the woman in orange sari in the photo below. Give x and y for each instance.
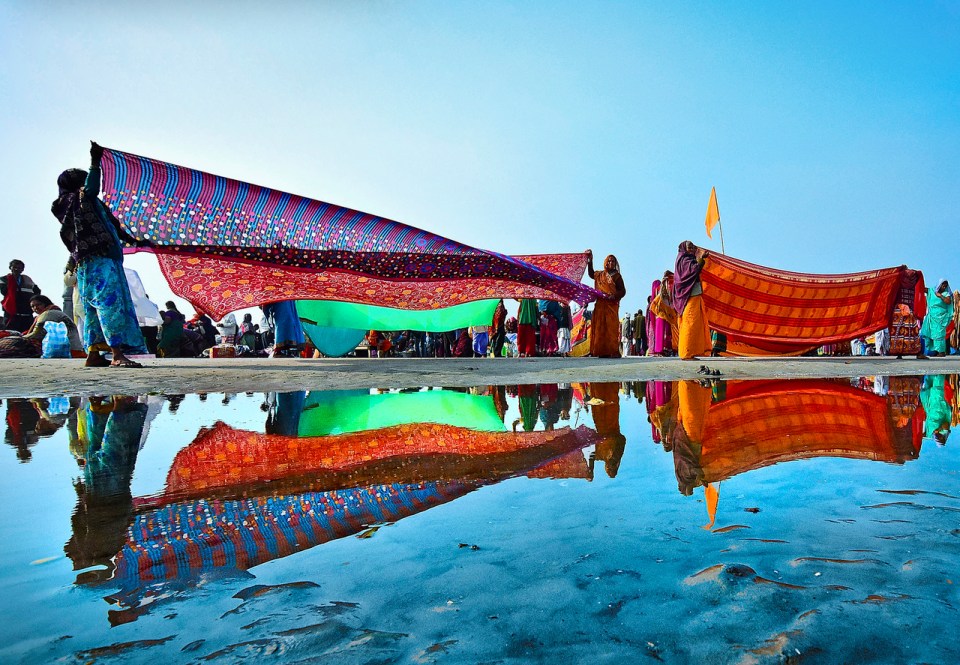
(605, 324)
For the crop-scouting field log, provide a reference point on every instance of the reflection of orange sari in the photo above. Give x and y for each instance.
(606, 420)
(605, 325)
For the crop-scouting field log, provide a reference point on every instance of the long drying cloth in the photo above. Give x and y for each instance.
(225, 245)
(765, 311)
(333, 314)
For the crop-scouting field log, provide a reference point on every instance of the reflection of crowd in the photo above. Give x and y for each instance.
(29, 420)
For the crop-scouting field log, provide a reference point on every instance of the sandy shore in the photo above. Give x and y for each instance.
(36, 378)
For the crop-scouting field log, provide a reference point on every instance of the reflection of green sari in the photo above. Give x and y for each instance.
(341, 411)
(935, 405)
(934, 330)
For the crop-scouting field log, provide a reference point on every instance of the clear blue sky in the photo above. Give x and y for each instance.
(830, 129)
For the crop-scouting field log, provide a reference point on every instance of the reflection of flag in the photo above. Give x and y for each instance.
(713, 212)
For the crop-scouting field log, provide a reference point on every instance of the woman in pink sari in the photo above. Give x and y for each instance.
(658, 330)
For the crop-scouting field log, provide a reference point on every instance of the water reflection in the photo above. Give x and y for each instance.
(716, 430)
(327, 465)
(29, 420)
(302, 469)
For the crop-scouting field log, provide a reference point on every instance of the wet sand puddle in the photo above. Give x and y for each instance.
(741, 521)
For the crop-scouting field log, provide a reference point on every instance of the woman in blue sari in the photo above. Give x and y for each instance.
(288, 338)
(92, 235)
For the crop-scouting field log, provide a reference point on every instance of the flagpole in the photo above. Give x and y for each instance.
(720, 226)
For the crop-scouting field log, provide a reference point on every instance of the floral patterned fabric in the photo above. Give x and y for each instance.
(189, 214)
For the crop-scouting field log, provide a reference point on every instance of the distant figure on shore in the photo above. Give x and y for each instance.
(605, 325)
(203, 324)
(662, 307)
(249, 332)
(498, 329)
(92, 235)
(171, 331)
(527, 320)
(17, 289)
(228, 329)
(694, 339)
(564, 326)
(59, 341)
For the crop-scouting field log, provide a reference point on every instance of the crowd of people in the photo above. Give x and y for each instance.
(101, 313)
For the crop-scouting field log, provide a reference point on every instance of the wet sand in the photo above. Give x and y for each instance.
(38, 378)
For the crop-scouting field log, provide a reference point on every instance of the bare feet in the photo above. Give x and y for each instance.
(94, 359)
(125, 362)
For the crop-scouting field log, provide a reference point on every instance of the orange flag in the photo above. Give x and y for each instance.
(713, 212)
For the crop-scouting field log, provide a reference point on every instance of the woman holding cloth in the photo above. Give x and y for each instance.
(605, 325)
(92, 235)
(939, 313)
(694, 332)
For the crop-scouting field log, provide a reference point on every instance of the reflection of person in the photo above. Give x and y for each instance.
(30, 420)
(693, 403)
(104, 504)
(694, 339)
(284, 415)
(606, 420)
(906, 414)
(605, 324)
(529, 407)
(939, 415)
(549, 405)
(92, 235)
(662, 412)
(939, 313)
(17, 289)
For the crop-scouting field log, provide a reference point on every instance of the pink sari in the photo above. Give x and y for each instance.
(657, 328)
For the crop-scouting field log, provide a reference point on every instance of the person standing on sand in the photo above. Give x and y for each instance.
(17, 289)
(92, 235)
(939, 313)
(605, 325)
(498, 329)
(228, 329)
(564, 324)
(694, 338)
(171, 331)
(527, 319)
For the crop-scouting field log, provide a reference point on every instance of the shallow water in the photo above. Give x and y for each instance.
(813, 521)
